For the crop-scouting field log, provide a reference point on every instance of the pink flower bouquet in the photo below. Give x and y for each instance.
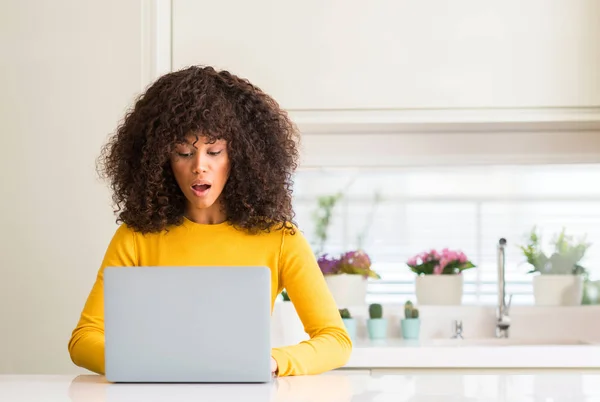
(446, 262)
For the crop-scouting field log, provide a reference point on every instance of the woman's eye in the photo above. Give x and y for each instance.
(184, 154)
(214, 153)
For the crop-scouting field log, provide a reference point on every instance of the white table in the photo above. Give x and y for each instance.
(336, 386)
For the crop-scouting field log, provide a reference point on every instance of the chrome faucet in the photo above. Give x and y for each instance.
(457, 329)
(502, 313)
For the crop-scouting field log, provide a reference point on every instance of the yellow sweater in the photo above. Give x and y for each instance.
(293, 267)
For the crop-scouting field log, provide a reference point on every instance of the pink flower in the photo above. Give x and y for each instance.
(437, 270)
(462, 258)
(443, 262)
(450, 255)
(412, 261)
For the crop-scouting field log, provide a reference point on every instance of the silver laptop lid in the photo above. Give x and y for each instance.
(187, 324)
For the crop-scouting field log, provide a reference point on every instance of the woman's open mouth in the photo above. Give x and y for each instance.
(200, 190)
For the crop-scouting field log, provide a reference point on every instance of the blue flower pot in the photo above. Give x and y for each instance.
(377, 328)
(350, 324)
(410, 328)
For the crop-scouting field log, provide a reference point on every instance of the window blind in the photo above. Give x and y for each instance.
(465, 208)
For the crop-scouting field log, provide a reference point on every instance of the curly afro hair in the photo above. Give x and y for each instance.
(262, 147)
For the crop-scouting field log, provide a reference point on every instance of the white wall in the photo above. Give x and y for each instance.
(69, 69)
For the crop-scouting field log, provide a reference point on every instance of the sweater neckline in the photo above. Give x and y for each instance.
(206, 226)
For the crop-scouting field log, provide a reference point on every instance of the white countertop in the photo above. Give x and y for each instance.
(336, 386)
(471, 353)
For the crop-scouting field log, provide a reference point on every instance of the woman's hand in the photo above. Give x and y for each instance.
(273, 365)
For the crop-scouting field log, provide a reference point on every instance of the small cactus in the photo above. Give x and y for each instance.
(410, 311)
(375, 311)
(345, 313)
(408, 306)
(285, 296)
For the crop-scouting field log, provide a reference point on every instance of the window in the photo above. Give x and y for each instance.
(468, 208)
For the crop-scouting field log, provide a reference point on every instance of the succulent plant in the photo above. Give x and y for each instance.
(410, 311)
(345, 313)
(375, 311)
(564, 259)
(285, 296)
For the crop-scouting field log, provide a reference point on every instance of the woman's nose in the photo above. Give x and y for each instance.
(199, 163)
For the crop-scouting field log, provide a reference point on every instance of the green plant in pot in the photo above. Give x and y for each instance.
(349, 322)
(559, 276)
(411, 323)
(346, 273)
(376, 324)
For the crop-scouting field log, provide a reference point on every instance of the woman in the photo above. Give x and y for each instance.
(201, 173)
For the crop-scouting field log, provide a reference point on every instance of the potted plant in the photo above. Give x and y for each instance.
(439, 280)
(349, 322)
(411, 323)
(347, 276)
(559, 276)
(376, 324)
(287, 326)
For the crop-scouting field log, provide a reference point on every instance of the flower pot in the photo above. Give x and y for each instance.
(377, 328)
(410, 328)
(439, 289)
(350, 324)
(558, 290)
(347, 290)
(287, 328)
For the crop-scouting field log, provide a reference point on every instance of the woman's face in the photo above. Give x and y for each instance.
(201, 170)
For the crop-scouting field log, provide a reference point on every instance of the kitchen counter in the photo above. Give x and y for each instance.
(335, 386)
(471, 353)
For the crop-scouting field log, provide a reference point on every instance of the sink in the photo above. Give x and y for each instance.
(486, 342)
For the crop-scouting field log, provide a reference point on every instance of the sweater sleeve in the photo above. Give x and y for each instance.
(86, 346)
(329, 346)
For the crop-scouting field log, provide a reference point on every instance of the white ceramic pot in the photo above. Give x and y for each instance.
(439, 289)
(286, 326)
(558, 290)
(347, 290)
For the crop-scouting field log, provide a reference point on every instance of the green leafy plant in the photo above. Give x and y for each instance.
(322, 217)
(285, 296)
(375, 311)
(410, 312)
(345, 313)
(564, 259)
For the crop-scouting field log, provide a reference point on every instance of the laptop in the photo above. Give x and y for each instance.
(187, 324)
